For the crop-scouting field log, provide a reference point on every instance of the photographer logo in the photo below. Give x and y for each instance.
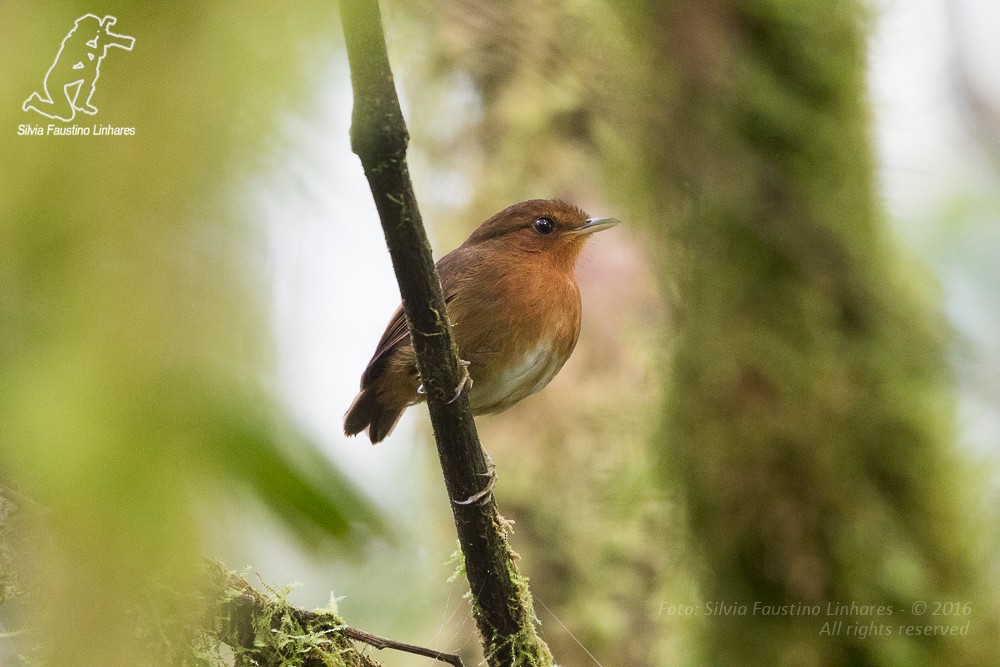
(71, 82)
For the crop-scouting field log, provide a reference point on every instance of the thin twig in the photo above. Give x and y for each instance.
(382, 642)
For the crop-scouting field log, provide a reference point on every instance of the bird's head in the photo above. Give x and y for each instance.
(549, 227)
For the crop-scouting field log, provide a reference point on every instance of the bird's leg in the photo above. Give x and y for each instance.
(466, 381)
(491, 472)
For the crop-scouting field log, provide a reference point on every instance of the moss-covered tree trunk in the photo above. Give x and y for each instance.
(808, 420)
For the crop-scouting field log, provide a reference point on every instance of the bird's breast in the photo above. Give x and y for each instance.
(526, 345)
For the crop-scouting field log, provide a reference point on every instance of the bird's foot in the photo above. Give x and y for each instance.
(466, 381)
(491, 473)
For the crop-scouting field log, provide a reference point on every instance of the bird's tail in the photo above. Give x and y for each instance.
(370, 413)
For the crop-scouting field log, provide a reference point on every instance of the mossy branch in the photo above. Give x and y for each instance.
(379, 137)
(268, 631)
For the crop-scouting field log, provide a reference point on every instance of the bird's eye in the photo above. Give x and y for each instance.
(544, 226)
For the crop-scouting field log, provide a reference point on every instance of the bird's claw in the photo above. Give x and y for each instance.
(482, 496)
(466, 381)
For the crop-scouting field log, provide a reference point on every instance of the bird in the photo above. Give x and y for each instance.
(515, 310)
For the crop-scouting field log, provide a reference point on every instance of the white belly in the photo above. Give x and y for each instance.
(505, 388)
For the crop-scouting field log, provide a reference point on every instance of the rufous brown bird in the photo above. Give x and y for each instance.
(514, 307)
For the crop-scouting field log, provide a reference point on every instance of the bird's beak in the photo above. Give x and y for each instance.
(591, 225)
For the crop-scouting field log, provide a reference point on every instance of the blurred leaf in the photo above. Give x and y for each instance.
(291, 475)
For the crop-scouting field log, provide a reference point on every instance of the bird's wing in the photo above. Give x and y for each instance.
(397, 333)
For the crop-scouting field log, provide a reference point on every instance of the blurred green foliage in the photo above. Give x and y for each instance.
(133, 338)
(759, 409)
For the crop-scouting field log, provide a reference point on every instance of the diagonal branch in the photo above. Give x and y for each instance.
(379, 137)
